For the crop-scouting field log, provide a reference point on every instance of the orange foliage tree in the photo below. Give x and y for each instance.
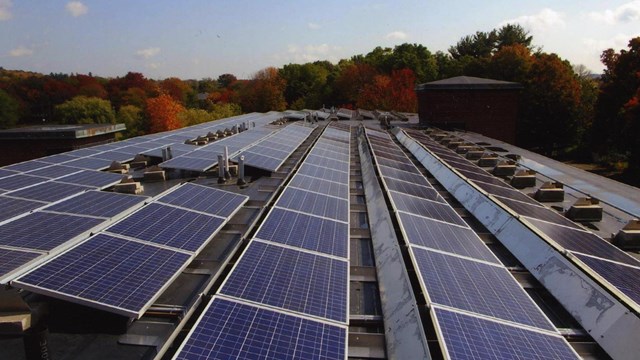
(265, 92)
(395, 92)
(163, 113)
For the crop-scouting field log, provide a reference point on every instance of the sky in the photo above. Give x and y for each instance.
(194, 39)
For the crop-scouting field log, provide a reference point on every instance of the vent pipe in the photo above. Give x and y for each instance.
(221, 179)
(241, 180)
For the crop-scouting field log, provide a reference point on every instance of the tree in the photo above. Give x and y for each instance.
(351, 82)
(479, 45)
(417, 58)
(512, 34)
(8, 110)
(85, 110)
(265, 92)
(225, 80)
(132, 117)
(395, 92)
(511, 63)
(305, 84)
(176, 88)
(163, 113)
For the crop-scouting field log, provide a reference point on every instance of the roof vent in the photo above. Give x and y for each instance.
(154, 173)
(585, 210)
(129, 186)
(464, 148)
(523, 179)
(629, 236)
(504, 169)
(139, 161)
(550, 192)
(488, 160)
(211, 136)
(118, 168)
(454, 144)
(474, 153)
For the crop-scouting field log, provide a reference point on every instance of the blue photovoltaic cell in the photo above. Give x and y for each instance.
(49, 191)
(190, 163)
(404, 166)
(231, 330)
(5, 173)
(54, 171)
(584, 242)
(82, 152)
(19, 181)
(538, 212)
(205, 199)
(327, 162)
(305, 231)
(469, 337)
(11, 260)
(313, 203)
(97, 203)
(44, 231)
(426, 208)
(261, 161)
(107, 270)
(93, 178)
(27, 165)
(10, 207)
(90, 163)
(624, 278)
(414, 178)
(381, 154)
(506, 192)
(292, 280)
(166, 225)
(391, 151)
(445, 237)
(115, 156)
(342, 156)
(324, 173)
(477, 287)
(58, 158)
(302, 181)
(477, 176)
(420, 191)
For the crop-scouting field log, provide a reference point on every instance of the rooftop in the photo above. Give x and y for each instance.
(60, 131)
(468, 83)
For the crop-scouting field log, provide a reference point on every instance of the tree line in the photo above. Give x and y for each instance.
(564, 110)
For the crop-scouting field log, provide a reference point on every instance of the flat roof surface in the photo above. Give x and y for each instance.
(468, 83)
(61, 131)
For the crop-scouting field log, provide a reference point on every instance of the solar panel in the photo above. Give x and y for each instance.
(97, 203)
(426, 208)
(506, 192)
(90, 163)
(444, 237)
(58, 158)
(45, 231)
(186, 162)
(477, 287)
(391, 157)
(49, 191)
(10, 207)
(305, 182)
(93, 178)
(11, 260)
(290, 279)
(584, 242)
(205, 199)
(538, 212)
(623, 277)
(108, 272)
(19, 181)
(232, 330)
(421, 191)
(260, 161)
(469, 337)
(323, 173)
(54, 171)
(26, 166)
(315, 204)
(476, 176)
(170, 226)
(305, 231)
(327, 162)
(404, 166)
(341, 156)
(83, 152)
(330, 147)
(4, 173)
(414, 178)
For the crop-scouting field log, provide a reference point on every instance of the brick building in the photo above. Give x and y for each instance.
(485, 106)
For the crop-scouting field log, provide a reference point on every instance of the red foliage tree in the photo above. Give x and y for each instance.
(163, 113)
(395, 92)
(265, 92)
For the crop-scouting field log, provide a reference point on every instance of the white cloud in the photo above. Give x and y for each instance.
(148, 52)
(313, 26)
(21, 51)
(5, 10)
(617, 42)
(153, 65)
(544, 20)
(76, 8)
(310, 53)
(624, 13)
(396, 35)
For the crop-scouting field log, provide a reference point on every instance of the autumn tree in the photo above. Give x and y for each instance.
(133, 118)
(395, 92)
(85, 110)
(352, 80)
(265, 92)
(162, 112)
(8, 110)
(226, 80)
(176, 88)
(511, 63)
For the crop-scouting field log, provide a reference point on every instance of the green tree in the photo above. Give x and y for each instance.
(305, 84)
(511, 63)
(9, 110)
(85, 110)
(417, 58)
(133, 118)
(512, 34)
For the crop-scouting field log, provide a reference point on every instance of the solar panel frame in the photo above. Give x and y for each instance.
(205, 199)
(425, 208)
(12, 207)
(93, 178)
(537, 212)
(290, 279)
(58, 158)
(12, 260)
(314, 204)
(232, 329)
(324, 173)
(54, 171)
(322, 186)
(49, 191)
(415, 178)
(622, 277)
(464, 336)
(4, 173)
(476, 287)
(305, 231)
(188, 162)
(107, 272)
(26, 166)
(98, 203)
(327, 163)
(90, 163)
(426, 192)
(20, 181)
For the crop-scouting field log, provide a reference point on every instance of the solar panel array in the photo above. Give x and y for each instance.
(590, 250)
(124, 268)
(270, 153)
(460, 276)
(287, 295)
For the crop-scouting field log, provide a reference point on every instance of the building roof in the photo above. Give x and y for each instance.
(469, 83)
(61, 131)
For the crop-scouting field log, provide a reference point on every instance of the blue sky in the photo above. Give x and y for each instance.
(199, 38)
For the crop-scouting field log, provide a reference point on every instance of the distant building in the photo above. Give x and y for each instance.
(33, 142)
(485, 106)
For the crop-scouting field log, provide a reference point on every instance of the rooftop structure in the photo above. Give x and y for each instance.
(255, 236)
